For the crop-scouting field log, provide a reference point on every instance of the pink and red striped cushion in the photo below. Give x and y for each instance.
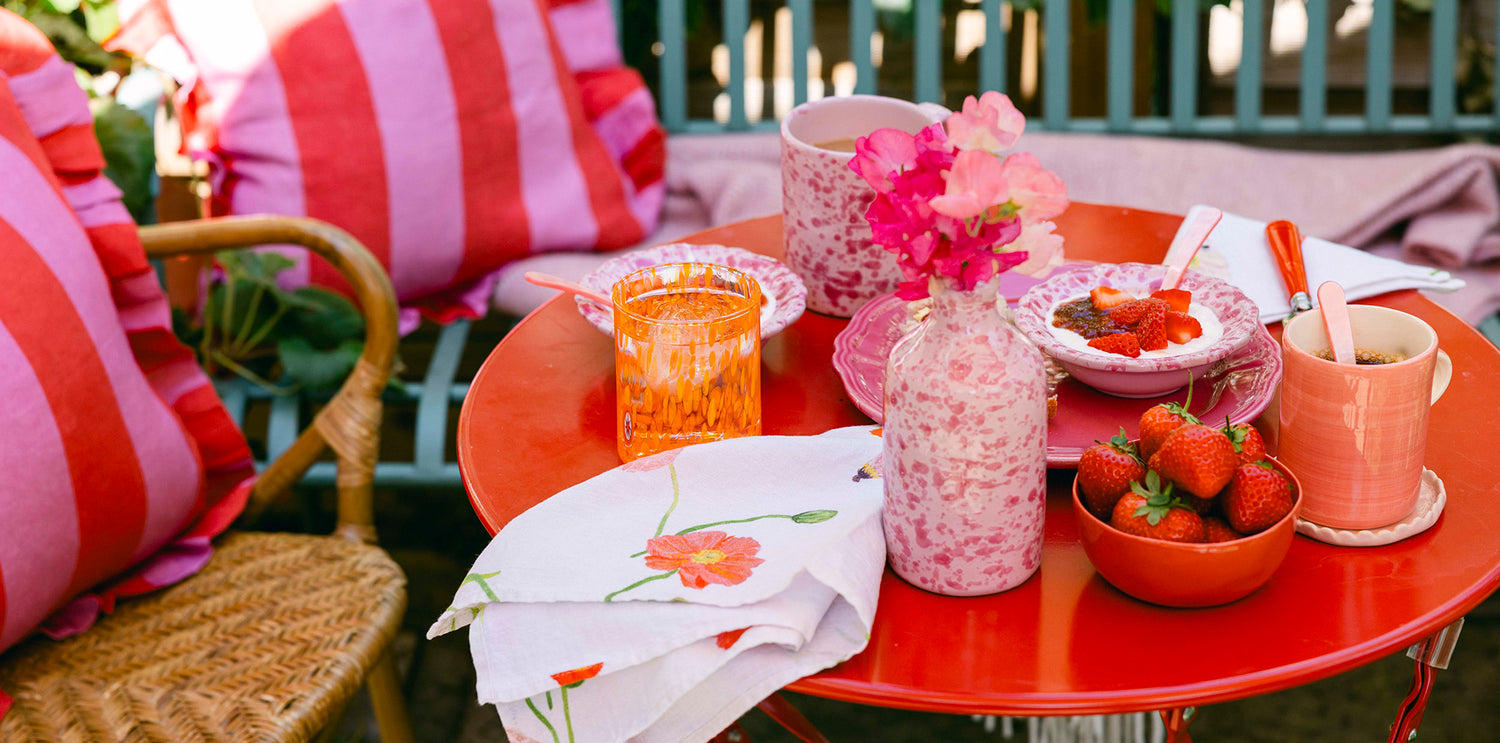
(115, 445)
(450, 136)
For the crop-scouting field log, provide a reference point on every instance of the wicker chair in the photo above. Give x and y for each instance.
(272, 638)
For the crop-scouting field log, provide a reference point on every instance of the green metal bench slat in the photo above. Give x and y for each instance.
(802, 36)
(736, 24)
(432, 411)
(1314, 94)
(1381, 43)
(1121, 63)
(233, 396)
(672, 22)
(283, 427)
(992, 53)
(1444, 59)
(861, 28)
(1247, 78)
(928, 51)
(1055, 76)
(1184, 71)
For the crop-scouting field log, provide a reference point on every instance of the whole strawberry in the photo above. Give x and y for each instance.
(1258, 496)
(1197, 459)
(1216, 529)
(1149, 510)
(1105, 471)
(1161, 420)
(1247, 441)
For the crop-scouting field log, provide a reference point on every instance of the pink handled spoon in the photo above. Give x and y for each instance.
(571, 287)
(1336, 320)
(1200, 221)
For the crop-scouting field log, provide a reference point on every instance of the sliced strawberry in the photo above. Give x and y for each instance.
(1182, 327)
(1105, 297)
(1124, 344)
(1130, 313)
(1151, 331)
(1178, 298)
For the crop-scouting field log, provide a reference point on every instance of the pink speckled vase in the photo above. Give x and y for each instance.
(965, 449)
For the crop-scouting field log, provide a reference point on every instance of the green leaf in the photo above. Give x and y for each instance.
(101, 20)
(129, 155)
(254, 264)
(814, 517)
(61, 6)
(314, 368)
(325, 319)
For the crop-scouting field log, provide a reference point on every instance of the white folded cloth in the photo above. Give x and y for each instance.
(1237, 251)
(661, 600)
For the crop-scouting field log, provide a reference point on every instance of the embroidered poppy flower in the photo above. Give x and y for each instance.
(568, 678)
(704, 557)
(653, 462)
(726, 640)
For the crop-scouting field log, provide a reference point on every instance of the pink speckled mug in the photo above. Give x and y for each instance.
(827, 238)
(1355, 435)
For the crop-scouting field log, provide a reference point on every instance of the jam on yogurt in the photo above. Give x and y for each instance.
(1082, 324)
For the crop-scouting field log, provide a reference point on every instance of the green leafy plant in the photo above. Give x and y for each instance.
(281, 340)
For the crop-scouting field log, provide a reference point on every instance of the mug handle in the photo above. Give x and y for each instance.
(1443, 374)
(937, 113)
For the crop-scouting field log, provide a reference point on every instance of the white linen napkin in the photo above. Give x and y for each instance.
(661, 600)
(1237, 251)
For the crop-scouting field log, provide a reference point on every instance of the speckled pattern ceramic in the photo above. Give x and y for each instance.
(783, 296)
(965, 451)
(1138, 377)
(827, 238)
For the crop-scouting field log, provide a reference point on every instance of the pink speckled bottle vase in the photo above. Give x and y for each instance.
(965, 438)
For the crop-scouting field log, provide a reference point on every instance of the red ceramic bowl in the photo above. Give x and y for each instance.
(1181, 574)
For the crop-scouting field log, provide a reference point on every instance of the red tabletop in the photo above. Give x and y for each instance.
(539, 418)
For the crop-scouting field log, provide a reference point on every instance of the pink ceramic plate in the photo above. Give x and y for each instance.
(783, 295)
(1239, 387)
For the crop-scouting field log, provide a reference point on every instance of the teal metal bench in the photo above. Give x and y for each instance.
(440, 388)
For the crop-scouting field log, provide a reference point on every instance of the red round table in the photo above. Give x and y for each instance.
(539, 418)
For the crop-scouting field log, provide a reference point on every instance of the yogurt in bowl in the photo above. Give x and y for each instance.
(1227, 317)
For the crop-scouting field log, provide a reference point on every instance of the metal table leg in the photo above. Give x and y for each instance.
(1431, 654)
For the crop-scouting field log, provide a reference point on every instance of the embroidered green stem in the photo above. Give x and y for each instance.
(639, 583)
(567, 715)
(676, 493)
(480, 579)
(543, 718)
(806, 517)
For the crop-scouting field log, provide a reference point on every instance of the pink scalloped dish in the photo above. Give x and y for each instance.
(1237, 386)
(783, 295)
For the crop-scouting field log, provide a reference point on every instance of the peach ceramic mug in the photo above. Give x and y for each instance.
(827, 238)
(1356, 435)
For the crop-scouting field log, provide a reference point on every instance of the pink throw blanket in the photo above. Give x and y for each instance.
(1438, 207)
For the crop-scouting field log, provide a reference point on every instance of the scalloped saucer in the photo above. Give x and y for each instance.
(1431, 497)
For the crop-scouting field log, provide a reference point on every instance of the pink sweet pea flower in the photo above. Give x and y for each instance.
(1037, 193)
(977, 182)
(881, 155)
(1043, 248)
(992, 123)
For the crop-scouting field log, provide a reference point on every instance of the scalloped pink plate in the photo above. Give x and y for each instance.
(1241, 386)
(783, 295)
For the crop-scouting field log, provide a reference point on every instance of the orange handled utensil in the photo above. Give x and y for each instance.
(1286, 245)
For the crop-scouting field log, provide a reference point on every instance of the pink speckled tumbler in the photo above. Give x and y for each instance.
(827, 238)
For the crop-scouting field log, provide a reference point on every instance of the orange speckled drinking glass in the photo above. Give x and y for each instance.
(687, 357)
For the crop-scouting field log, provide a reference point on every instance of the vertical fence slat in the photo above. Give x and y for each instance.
(992, 54)
(861, 27)
(1380, 47)
(1055, 75)
(614, 9)
(671, 20)
(1247, 79)
(928, 51)
(1315, 66)
(1444, 58)
(1496, 37)
(1121, 63)
(1184, 64)
(802, 35)
(736, 24)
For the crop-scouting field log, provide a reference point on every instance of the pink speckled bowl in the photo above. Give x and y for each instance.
(1140, 377)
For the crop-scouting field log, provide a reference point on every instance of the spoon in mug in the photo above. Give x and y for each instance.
(571, 287)
(1200, 221)
(1336, 320)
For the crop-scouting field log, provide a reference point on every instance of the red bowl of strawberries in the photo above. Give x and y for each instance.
(1187, 515)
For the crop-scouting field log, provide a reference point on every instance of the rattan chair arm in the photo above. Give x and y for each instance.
(350, 422)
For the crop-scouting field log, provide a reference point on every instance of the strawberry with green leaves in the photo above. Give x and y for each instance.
(1248, 444)
(1150, 510)
(1160, 420)
(1105, 471)
(1257, 497)
(1197, 459)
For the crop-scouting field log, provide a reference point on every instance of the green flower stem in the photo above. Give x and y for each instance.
(236, 346)
(265, 330)
(676, 494)
(567, 715)
(256, 379)
(543, 718)
(639, 583)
